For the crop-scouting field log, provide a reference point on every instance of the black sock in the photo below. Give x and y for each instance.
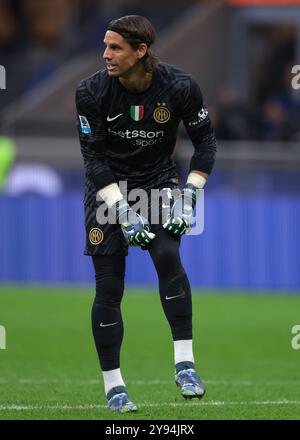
(175, 295)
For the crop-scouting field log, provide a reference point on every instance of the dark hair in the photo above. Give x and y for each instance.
(136, 29)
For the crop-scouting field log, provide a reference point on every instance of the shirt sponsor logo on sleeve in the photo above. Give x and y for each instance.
(84, 124)
(201, 117)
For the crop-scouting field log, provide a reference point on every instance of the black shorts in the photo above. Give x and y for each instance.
(107, 239)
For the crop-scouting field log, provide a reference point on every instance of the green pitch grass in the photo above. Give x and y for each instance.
(242, 346)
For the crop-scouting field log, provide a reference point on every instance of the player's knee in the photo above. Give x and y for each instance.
(109, 290)
(109, 277)
(167, 262)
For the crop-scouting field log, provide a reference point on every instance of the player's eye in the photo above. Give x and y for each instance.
(114, 47)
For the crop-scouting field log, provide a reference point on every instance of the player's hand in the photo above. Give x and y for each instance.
(135, 228)
(182, 213)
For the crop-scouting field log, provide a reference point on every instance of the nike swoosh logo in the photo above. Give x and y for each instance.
(172, 297)
(107, 325)
(113, 118)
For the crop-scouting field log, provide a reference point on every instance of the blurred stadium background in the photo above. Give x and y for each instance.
(242, 53)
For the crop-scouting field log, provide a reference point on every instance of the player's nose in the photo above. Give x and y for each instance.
(106, 54)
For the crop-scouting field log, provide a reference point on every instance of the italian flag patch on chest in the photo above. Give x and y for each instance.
(137, 112)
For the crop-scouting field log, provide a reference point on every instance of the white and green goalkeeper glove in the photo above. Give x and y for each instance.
(135, 228)
(182, 213)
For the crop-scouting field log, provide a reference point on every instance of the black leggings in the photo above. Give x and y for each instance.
(174, 289)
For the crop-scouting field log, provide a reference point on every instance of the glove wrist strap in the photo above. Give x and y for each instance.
(189, 195)
(121, 210)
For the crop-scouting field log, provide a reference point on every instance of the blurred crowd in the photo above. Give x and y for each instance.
(276, 118)
(36, 37)
(272, 111)
(45, 23)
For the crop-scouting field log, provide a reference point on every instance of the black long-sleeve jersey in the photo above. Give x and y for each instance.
(128, 136)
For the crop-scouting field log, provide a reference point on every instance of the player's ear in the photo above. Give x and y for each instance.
(142, 49)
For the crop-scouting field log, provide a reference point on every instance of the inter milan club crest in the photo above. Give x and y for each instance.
(96, 236)
(137, 112)
(161, 113)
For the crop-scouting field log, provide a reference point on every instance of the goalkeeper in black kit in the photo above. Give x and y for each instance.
(128, 117)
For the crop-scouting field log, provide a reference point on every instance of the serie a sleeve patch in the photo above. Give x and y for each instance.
(84, 125)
